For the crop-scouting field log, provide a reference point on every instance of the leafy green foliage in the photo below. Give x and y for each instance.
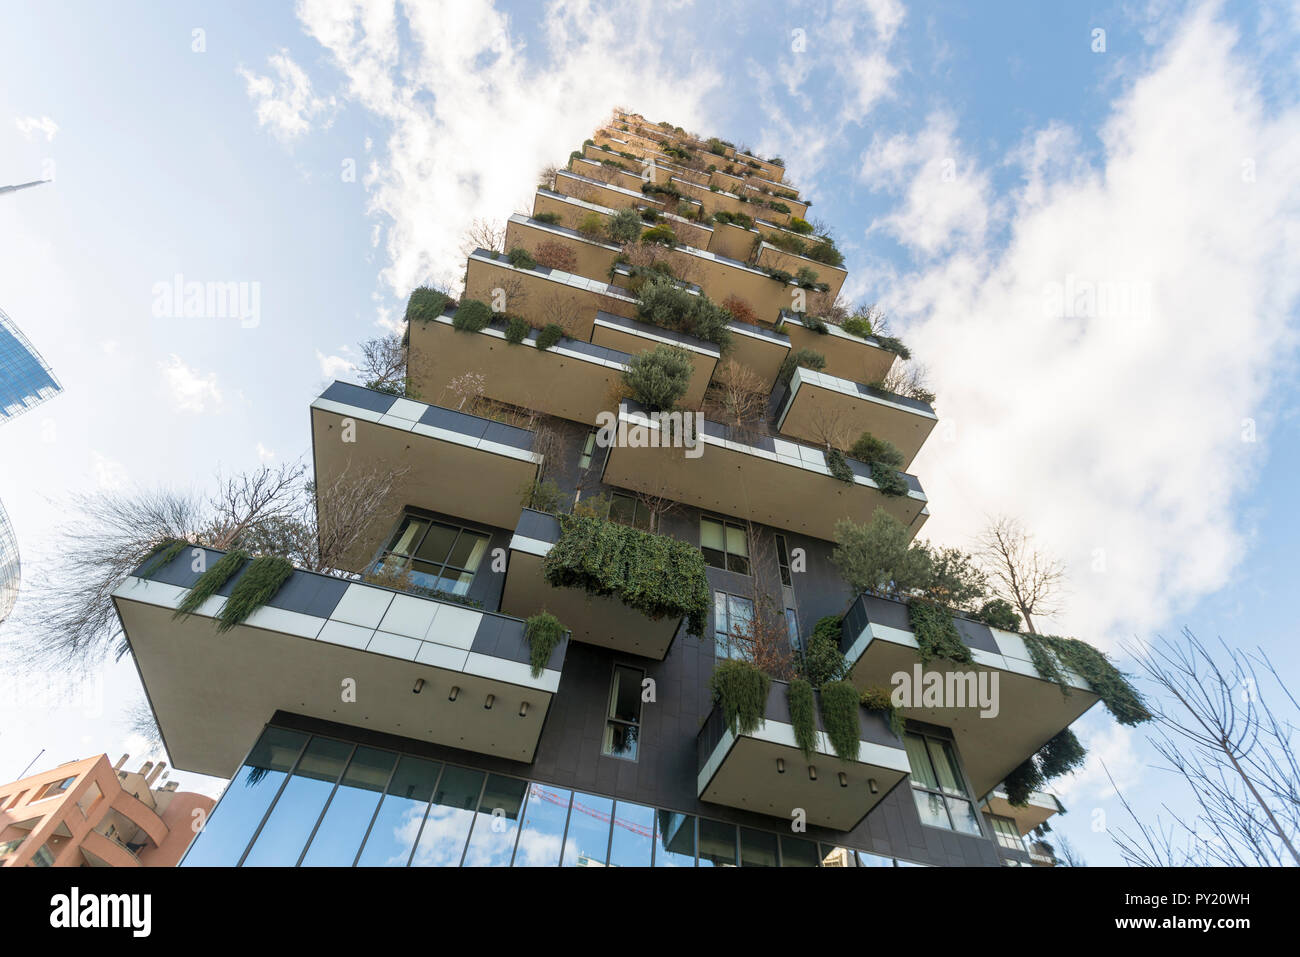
(801, 359)
(888, 480)
(857, 326)
(815, 324)
(254, 589)
(800, 225)
(661, 235)
(936, 635)
(822, 660)
(210, 582)
(740, 689)
(870, 449)
(894, 345)
(473, 315)
(659, 377)
(879, 699)
(1022, 782)
(517, 330)
(591, 225)
(998, 613)
(778, 206)
(1061, 755)
(953, 579)
(840, 703)
(803, 715)
(839, 466)
(624, 226)
(162, 556)
(825, 252)
(1052, 654)
(653, 574)
(734, 219)
(543, 632)
(426, 304)
(551, 219)
(551, 333)
(661, 189)
(664, 303)
(806, 276)
(521, 258)
(878, 556)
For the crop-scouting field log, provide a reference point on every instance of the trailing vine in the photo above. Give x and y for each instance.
(878, 699)
(839, 466)
(1052, 655)
(936, 635)
(799, 694)
(210, 582)
(162, 555)
(740, 689)
(543, 632)
(1062, 754)
(254, 589)
(840, 703)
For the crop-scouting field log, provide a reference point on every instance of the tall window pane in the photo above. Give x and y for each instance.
(397, 824)
(931, 808)
(588, 839)
(917, 757)
(231, 824)
(945, 765)
(542, 834)
(446, 826)
(622, 725)
(632, 841)
(757, 848)
(717, 844)
(345, 821)
(796, 852)
(286, 831)
(492, 840)
(674, 839)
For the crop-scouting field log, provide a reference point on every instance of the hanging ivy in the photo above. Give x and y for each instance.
(839, 466)
(210, 582)
(162, 555)
(543, 632)
(1022, 782)
(1053, 655)
(840, 703)
(799, 694)
(254, 589)
(1061, 755)
(936, 635)
(740, 689)
(878, 699)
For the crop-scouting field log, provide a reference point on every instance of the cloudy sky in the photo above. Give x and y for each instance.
(1083, 218)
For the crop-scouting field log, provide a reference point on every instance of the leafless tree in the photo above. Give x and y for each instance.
(1232, 750)
(737, 397)
(1020, 574)
(140, 721)
(910, 379)
(383, 363)
(768, 635)
(487, 234)
(546, 178)
(1066, 855)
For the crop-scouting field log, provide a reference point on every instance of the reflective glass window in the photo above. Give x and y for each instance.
(285, 833)
(587, 842)
(542, 834)
(343, 825)
(446, 826)
(401, 813)
(492, 841)
(674, 839)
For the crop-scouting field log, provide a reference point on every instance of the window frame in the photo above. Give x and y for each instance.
(726, 553)
(967, 794)
(385, 551)
(731, 635)
(610, 719)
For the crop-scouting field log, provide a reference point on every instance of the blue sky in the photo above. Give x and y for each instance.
(970, 160)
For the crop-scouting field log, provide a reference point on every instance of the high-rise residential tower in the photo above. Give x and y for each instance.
(597, 617)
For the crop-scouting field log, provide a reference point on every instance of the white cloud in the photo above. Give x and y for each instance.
(285, 104)
(190, 390)
(1113, 428)
(263, 453)
(29, 126)
(335, 367)
(107, 473)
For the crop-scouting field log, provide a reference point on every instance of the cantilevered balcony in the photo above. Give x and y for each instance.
(544, 295)
(570, 210)
(1040, 807)
(591, 257)
(421, 668)
(767, 479)
(572, 379)
(633, 336)
(456, 464)
(814, 399)
(774, 258)
(595, 170)
(594, 620)
(878, 643)
(761, 348)
(766, 772)
(595, 191)
(847, 356)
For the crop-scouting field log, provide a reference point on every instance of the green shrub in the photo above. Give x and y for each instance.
(162, 556)
(653, 574)
(551, 219)
(254, 589)
(1061, 755)
(840, 703)
(472, 315)
(800, 225)
(780, 275)
(740, 689)
(544, 496)
(663, 235)
(879, 699)
(649, 215)
(625, 225)
(936, 635)
(825, 252)
(822, 659)
(543, 632)
(659, 377)
(803, 715)
(426, 304)
(839, 466)
(779, 207)
(1051, 654)
(857, 326)
(814, 324)
(664, 303)
(517, 330)
(521, 258)
(591, 225)
(894, 345)
(889, 481)
(998, 613)
(870, 449)
(878, 556)
(1022, 782)
(551, 333)
(801, 359)
(717, 147)
(806, 276)
(210, 582)
(661, 189)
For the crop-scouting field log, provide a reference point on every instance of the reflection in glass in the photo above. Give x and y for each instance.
(674, 839)
(930, 807)
(587, 842)
(344, 823)
(796, 852)
(286, 831)
(874, 860)
(492, 840)
(542, 833)
(717, 844)
(232, 823)
(632, 841)
(757, 848)
(447, 824)
(963, 817)
(397, 824)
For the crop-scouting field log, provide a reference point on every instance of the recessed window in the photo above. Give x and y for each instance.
(937, 785)
(783, 559)
(435, 555)
(733, 626)
(630, 510)
(623, 721)
(725, 545)
(792, 627)
(588, 449)
(55, 788)
(1004, 829)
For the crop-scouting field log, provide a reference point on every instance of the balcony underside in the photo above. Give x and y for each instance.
(771, 481)
(759, 348)
(816, 399)
(211, 693)
(1041, 806)
(775, 258)
(847, 356)
(455, 464)
(879, 644)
